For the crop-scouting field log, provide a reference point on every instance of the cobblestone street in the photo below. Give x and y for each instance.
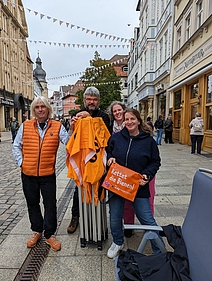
(12, 202)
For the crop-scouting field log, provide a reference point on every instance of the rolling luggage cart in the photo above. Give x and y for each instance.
(93, 221)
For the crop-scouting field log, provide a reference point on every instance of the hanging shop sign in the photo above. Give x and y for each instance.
(6, 102)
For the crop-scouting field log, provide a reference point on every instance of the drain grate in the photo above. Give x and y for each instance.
(30, 269)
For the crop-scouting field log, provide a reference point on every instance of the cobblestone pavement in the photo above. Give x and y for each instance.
(12, 201)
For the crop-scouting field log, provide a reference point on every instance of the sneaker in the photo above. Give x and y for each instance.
(34, 239)
(73, 225)
(54, 243)
(113, 250)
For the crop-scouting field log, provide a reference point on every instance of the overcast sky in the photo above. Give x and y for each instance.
(62, 23)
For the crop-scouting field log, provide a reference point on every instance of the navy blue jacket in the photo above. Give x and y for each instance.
(139, 153)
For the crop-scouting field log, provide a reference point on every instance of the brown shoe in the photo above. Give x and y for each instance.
(54, 243)
(73, 225)
(34, 239)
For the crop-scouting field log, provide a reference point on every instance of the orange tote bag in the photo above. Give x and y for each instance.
(122, 181)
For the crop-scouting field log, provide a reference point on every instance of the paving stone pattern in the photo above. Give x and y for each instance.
(12, 201)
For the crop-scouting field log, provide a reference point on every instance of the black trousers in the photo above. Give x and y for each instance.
(33, 187)
(168, 136)
(196, 140)
(75, 206)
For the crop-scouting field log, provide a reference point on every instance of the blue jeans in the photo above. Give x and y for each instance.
(142, 210)
(159, 136)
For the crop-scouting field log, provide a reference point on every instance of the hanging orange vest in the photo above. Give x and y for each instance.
(86, 157)
(39, 156)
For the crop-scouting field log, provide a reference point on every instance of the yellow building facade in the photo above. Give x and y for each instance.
(16, 67)
(191, 72)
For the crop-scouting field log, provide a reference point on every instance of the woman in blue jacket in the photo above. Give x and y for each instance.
(134, 148)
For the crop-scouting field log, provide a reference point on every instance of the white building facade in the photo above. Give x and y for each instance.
(150, 59)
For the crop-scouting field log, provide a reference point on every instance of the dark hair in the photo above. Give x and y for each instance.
(148, 118)
(142, 127)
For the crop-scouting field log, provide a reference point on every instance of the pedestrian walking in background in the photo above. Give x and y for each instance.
(13, 127)
(196, 133)
(159, 128)
(34, 150)
(168, 127)
(91, 98)
(132, 147)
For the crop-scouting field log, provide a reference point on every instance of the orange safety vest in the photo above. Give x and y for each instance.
(86, 156)
(39, 156)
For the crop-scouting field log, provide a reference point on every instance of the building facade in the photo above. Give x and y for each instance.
(70, 97)
(150, 59)
(191, 73)
(16, 79)
(121, 67)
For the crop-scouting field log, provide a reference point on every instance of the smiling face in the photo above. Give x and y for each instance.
(118, 113)
(41, 112)
(131, 123)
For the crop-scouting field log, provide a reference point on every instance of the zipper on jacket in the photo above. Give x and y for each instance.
(128, 150)
(40, 147)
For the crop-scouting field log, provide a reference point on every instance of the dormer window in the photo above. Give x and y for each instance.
(125, 68)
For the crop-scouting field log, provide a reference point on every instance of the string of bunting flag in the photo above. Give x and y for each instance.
(60, 44)
(96, 68)
(78, 84)
(71, 25)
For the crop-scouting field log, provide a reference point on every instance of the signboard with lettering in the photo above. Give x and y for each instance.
(201, 53)
(6, 102)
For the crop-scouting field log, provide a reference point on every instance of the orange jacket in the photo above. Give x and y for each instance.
(86, 159)
(39, 156)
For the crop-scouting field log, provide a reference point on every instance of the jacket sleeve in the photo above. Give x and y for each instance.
(154, 163)
(109, 148)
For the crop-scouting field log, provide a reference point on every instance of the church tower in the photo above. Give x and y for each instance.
(41, 75)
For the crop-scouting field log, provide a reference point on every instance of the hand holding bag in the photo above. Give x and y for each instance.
(122, 181)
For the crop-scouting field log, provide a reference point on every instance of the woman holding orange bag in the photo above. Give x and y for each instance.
(134, 148)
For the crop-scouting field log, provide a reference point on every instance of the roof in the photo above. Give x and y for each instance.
(119, 58)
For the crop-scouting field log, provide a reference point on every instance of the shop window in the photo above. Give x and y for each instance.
(162, 104)
(193, 111)
(177, 100)
(209, 92)
(194, 91)
(209, 118)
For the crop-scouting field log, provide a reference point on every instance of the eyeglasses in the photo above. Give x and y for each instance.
(91, 99)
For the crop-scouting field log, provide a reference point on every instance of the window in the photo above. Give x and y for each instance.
(177, 100)
(160, 51)
(179, 38)
(166, 45)
(147, 16)
(145, 66)
(209, 92)
(162, 104)
(125, 84)
(136, 80)
(131, 85)
(199, 13)
(125, 68)
(194, 91)
(188, 26)
(209, 118)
